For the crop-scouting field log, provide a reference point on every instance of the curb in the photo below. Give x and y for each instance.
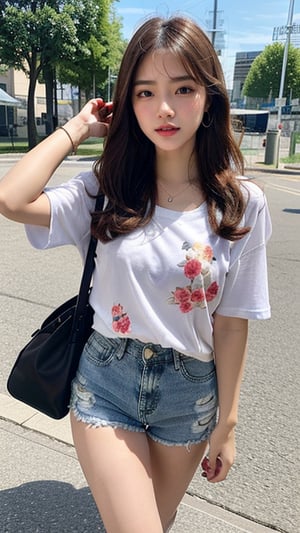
(289, 169)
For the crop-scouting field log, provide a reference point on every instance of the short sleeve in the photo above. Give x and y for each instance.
(246, 293)
(71, 205)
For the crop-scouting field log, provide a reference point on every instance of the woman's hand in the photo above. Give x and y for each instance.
(92, 121)
(97, 115)
(221, 454)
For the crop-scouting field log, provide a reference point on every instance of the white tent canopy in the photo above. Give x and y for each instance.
(7, 100)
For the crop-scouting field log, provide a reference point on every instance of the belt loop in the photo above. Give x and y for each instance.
(121, 348)
(176, 359)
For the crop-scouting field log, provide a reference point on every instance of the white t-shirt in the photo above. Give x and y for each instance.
(162, 283)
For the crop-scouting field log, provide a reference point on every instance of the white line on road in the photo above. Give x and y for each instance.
(283, 188)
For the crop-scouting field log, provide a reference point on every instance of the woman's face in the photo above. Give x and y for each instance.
(168, 103)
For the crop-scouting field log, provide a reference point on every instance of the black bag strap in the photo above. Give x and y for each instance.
(84, 290)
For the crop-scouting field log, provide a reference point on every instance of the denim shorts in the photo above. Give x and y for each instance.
(124, 383)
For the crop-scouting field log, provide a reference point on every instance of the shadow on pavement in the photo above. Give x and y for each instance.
(293, 211)
(48, 507)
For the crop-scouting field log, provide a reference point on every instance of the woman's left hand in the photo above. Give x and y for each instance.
(221, 454)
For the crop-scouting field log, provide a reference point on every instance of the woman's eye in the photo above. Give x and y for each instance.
(184, 90)
(144, 94)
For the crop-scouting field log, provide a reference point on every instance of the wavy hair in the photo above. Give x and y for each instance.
(126, 169)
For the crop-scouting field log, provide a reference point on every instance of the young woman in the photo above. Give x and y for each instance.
(181, 267)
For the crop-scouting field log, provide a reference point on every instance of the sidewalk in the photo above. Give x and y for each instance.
(47, 493)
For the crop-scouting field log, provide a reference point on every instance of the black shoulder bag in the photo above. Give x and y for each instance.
(42, 374)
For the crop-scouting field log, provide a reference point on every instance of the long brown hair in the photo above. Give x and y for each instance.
(126, 169)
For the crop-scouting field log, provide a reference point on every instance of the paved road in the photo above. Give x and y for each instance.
(264, 483)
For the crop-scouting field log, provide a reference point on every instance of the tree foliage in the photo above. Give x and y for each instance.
(105, 50)
(36, 36)
(263, 79)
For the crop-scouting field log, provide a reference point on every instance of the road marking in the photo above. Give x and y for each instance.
(283, 188)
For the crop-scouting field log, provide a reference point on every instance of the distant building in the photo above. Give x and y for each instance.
(243, 62)
(16, 84)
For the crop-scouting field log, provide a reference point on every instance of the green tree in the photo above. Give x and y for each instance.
(105, 50)
(35, 36)
(263, 79)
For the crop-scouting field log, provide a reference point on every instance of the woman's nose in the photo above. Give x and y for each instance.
(165, 110)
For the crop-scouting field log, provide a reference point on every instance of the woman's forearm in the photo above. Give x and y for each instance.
(230, 342)
(21, 197)
(26, 180)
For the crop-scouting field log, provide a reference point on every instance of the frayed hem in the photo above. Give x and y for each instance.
(186, 445)
(95, 423)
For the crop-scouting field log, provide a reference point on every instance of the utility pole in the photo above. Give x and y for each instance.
(289, 28)
(214, 28)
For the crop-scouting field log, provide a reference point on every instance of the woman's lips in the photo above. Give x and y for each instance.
(167, 131)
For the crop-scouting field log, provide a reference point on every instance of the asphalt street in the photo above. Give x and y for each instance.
(264, 483)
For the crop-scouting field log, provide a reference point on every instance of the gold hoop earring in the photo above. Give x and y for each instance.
(210, 121)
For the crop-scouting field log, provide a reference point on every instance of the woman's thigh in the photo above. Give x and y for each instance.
(137, 483)
(173, 468)
(117, 466)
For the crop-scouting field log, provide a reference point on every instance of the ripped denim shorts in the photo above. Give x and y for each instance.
(124, 383)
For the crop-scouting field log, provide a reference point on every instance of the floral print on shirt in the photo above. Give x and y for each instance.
(197, 269)
(120, 320)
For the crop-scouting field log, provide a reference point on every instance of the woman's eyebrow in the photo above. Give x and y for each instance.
(175, 79)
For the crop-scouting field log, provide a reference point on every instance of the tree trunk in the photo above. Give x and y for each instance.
(34, 71)
(49, 81)
(31, 125)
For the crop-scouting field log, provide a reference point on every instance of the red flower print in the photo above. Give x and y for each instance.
(199, 269)
(182, 295)
(115, 326)
(124, 324)
(185, 307)
(212, 291)
(198, 295)
(192, 268)
(121, 321)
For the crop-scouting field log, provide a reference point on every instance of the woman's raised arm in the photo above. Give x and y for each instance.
(21, 189)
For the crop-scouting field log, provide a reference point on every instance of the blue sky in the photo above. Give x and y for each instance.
(248, 25)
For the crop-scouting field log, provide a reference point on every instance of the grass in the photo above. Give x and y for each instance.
(92, 147)
(17, 147)
(292, 159)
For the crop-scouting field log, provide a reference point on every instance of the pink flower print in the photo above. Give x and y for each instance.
(182, 295)
(208, 253)
(198, 268)
(212, 291)
(198, 295)
(186, 307)
(121, 321)
(117, 310)
(192, 268)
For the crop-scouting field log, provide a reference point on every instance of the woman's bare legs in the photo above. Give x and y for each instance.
(173, 468)
(137, 484)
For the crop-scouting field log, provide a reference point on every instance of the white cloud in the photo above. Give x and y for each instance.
(134, 11)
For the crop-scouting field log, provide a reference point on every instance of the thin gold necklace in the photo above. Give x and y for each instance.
(172, 196)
